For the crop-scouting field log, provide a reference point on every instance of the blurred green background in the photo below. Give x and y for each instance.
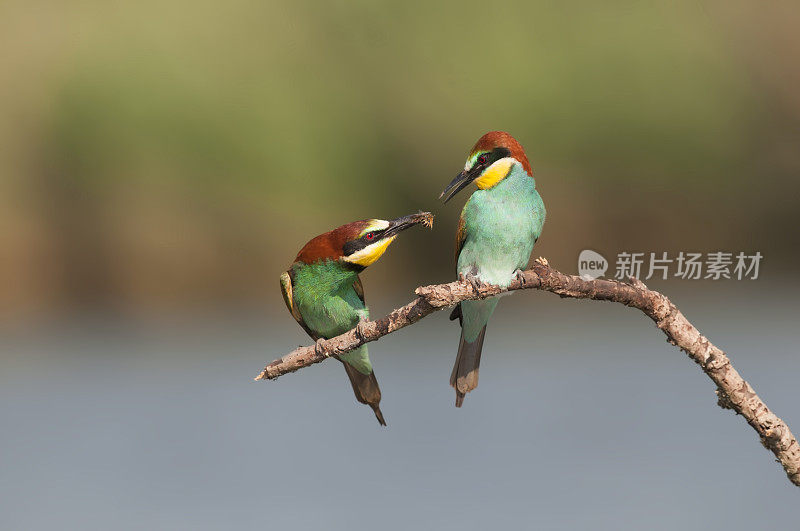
(175, 155)
(161, 163)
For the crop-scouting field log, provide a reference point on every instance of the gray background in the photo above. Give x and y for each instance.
(585, 418)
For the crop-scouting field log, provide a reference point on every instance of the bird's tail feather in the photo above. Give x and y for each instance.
(366, 389)
(464, 377)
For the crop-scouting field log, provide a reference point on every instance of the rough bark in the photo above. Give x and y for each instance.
(733, 391)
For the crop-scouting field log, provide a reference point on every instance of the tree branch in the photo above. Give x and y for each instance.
(733, 391)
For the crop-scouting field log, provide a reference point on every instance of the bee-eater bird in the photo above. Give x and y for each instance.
(498, 227)
(324, 293)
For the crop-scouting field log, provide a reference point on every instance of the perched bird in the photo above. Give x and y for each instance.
(498, 227)
(324, 293)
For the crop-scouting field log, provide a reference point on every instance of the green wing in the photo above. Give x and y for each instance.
(358, 287)
(461, 235)
(288, 298)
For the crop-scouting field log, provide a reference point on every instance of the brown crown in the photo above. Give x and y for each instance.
(330, 244)
(495, 139)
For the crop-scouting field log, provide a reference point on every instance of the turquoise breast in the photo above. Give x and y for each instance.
(501, 226)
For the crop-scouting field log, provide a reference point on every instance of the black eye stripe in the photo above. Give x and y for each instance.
(361, 242)
(491, 157)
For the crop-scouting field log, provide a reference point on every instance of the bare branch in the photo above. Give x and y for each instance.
(732, 390)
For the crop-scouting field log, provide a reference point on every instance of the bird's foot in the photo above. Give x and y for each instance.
(474, 281)
(519, 274)
(319, 348)
(361, 331)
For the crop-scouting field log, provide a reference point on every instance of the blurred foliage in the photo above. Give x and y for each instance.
(180, 153)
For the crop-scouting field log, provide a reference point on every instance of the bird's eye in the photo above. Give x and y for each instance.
(370, 235)
(482, 159)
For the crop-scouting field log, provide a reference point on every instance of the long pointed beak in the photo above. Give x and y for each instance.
(400, 224)
(461, 181)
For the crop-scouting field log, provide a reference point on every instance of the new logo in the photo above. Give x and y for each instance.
(591, 265)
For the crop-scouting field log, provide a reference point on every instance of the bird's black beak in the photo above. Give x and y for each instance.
(401, 224)
(461, 181)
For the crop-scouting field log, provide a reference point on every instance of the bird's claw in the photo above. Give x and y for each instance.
(319, 348)
(474, 281)
(360, 331)
(519, 274)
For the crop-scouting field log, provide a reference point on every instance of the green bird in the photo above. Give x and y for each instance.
(324, 293)
(499, 225)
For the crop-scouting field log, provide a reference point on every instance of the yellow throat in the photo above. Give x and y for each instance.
(369, 254)
(495, 173)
